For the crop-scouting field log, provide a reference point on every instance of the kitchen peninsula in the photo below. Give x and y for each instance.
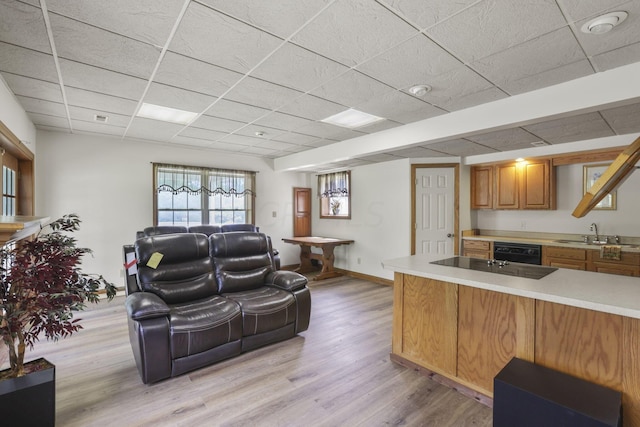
(462, 326)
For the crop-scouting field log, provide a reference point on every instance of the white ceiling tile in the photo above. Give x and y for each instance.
(321, 142)
(243, 47)
(351, 88)
(454, 84)
(275, 145)
(281, 18)
(623, 120)
(569, 129)
(400, 107)
(460, 147)
(320, 130)
(253, 130)
(349, 31)
(90, 45)
(32, 105)
(295, 138)
(415, 152)
(549, 77)
(153, 130)
(379, 126)
(471, 100)
(618, 57)
(93, 127)
(81, 76)
(508, 139)
(149, 21)
(312, 107)
(262, 94)
(217, 124)
(493, 25)
(33, 88)
(88, 115)
(209, 135)
(27, 62)
(235, 111)
(415, 61)
(227, 146)
(243, 140)
(298, 68)
(23, 25)
(415, 11)
(44, 120)
(194, 142)
(580, 9)
(622, 35)
(100, 102)
(259, 150)
(282, 121)
(531, 57)
(181, 99)
(181, 71)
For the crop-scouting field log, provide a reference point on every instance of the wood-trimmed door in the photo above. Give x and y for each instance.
(301, 212)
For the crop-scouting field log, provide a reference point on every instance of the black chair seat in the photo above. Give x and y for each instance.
(265, 309)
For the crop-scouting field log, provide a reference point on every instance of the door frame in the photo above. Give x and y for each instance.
(456, 201)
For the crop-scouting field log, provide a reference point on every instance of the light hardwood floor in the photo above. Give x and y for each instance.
(337, 373)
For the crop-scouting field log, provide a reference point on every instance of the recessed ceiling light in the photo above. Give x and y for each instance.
(166, 114)
(352, 119)
(259, 134)
(419, 90)
(100, 118)
(605, 23)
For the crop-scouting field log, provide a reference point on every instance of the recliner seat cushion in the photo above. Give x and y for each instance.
(198, 326)
(265, 309)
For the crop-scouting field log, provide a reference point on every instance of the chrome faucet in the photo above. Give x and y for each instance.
(593, 227)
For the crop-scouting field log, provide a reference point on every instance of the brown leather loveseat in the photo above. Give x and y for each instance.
(207, 299)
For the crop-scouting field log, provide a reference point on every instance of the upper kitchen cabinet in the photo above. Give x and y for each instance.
(482, 187)
(523, 185)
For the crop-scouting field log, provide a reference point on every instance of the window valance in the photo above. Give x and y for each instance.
(196, 180)
(333, 184)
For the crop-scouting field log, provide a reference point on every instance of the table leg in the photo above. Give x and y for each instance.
(327, 264)
(305, 260)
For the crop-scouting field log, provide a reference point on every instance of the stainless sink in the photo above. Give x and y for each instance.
(580, 242)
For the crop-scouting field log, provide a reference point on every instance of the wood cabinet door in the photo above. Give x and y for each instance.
(535, 192)
(301, 212)
(507, 188)
(482, 187)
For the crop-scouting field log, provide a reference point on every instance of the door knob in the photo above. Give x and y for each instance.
(449, 234)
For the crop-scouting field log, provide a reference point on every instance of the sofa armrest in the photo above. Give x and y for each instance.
(287, 280)
(145, 305)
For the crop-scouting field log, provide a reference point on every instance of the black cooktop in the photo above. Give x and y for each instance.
(517, 269)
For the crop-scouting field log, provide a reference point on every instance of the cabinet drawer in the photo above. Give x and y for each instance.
(626, 258)
(477, 245)
(566, 253)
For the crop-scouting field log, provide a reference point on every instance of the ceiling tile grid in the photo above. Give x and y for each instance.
(279, 68)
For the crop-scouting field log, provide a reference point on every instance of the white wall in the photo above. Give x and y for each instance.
(624, 221)
(108, 183)
(380, 218)
(14, 117)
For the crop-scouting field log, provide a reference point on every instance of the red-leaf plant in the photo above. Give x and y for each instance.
(41, 285)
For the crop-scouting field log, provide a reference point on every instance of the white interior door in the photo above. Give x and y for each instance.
(434, 228)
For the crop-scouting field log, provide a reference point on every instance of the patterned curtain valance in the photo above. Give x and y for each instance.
(197, 180)
(334, 184)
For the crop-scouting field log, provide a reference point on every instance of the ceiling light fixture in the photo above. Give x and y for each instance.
(419, 90)
(605, 23)
(259, 133)
(166, 114)
(352, 119)
(100, 118)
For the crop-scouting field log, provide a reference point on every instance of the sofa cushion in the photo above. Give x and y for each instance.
(163, 229)
(265, 309)
(198, 326)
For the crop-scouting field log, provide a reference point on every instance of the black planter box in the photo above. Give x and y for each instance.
(30, 400)
(530, 395)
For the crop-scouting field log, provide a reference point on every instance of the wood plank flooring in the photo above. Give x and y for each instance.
(338, 373)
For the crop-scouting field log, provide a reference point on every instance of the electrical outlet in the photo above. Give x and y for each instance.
(523, 225)
(358, 260)
(274, 214)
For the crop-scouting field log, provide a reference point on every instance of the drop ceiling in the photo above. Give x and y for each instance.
(276, 68)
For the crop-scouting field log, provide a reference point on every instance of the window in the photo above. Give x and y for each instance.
(8, 191)
(190, 195)
(335, 195)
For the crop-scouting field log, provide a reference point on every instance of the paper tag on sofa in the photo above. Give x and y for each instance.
(154, 260)
(132, 263)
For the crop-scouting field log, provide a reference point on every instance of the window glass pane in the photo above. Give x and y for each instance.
(239, 217)
(194, 201)
(165, 200)
(195, 217)
(181, 218)
(227, 202)
(180, 201)
(226, 217)
(215, 217)
(165, 217)
(215, 201)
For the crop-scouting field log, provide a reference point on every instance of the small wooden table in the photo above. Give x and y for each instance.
(326, 244)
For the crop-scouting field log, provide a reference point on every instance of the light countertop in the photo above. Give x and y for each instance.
(551, 242)
(602, 292)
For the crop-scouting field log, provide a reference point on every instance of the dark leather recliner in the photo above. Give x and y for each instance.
(227, 228)
(208, 299)
(275, 304)
(207, 229)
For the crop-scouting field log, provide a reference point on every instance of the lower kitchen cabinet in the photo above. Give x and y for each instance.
(628, 265)
(561, 257)
(477, 249)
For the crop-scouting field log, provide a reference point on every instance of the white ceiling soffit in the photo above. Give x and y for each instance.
(262, 74)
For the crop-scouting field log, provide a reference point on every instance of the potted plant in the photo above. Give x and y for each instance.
(41, 286)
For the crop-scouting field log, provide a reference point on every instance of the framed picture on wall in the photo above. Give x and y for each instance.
(591, 174)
